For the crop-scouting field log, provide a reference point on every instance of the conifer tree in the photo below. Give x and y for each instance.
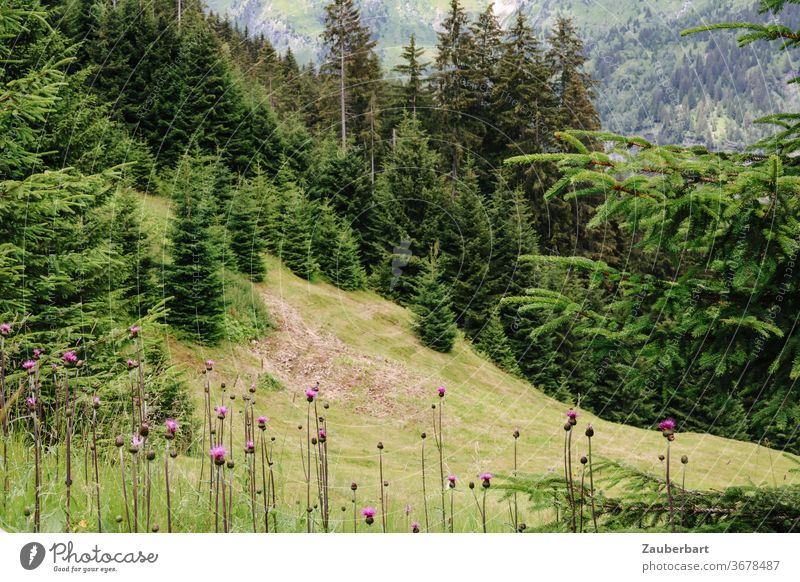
(492, 341)
(351, 62)
(129, 234)
(341, 178)
(452, 96)
(574, 88)
(408, 189)
(513, 236)
(412, 70)
(487, 48)
(523, 98)
(295, 247)
(267, 69)
(435, 322)
(464, 232)
(335, 249)
(192, 280)
(246, 243)
(698, 340)
(56, 261)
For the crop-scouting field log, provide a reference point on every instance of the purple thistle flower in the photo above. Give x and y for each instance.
(31, 402)
(485, 476)
(249, 446)
(5, 329)
(54, 366)
(310, 394)
(322, 434)
(172, 426)
(135, 442)
(222, 411)
(408, 509)
(441, 391)
(69, 357)
(414, 527)
(667, 424)
(28, 365)
(96, 402)
(132, 364)
(210, 365)
(135, 329)
(37, 353)
(368, 512)
(452, 478)
(572, 414)
(218, 453)
(262, 420)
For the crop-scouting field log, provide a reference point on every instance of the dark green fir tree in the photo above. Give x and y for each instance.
(295, 246)
(452, 96)
(435, 323)
(335, 249)
(413, 92)
(492, 341)
(245, 241)
(193, 280)
(351, 66)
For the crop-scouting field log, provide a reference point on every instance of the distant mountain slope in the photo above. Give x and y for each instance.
(651, 81)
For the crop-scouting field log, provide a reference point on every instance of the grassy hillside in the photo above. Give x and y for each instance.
(378, 384)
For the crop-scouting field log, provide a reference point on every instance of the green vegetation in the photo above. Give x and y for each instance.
(698, 90)
(175, 190)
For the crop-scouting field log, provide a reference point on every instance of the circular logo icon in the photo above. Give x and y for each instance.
(31, 555)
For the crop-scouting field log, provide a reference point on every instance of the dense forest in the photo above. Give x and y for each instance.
(636, 280)
(650, 81)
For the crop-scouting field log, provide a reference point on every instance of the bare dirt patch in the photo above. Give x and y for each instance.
(300, 354)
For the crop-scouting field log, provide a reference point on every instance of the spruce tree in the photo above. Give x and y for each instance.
(487, 47)
(522, 98)
(350, 62)
(341, 178)
(452, 96)
(493, 343)
(513, 236)
(295, 247)
(57, 264)
(574, 87)
(397, 221)
(335, 249)
(192, 279)
(435, 322)
(410, 179)
(413, 92)
(245, 241)
(464, 231)
(129, 234)
(703, 341)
